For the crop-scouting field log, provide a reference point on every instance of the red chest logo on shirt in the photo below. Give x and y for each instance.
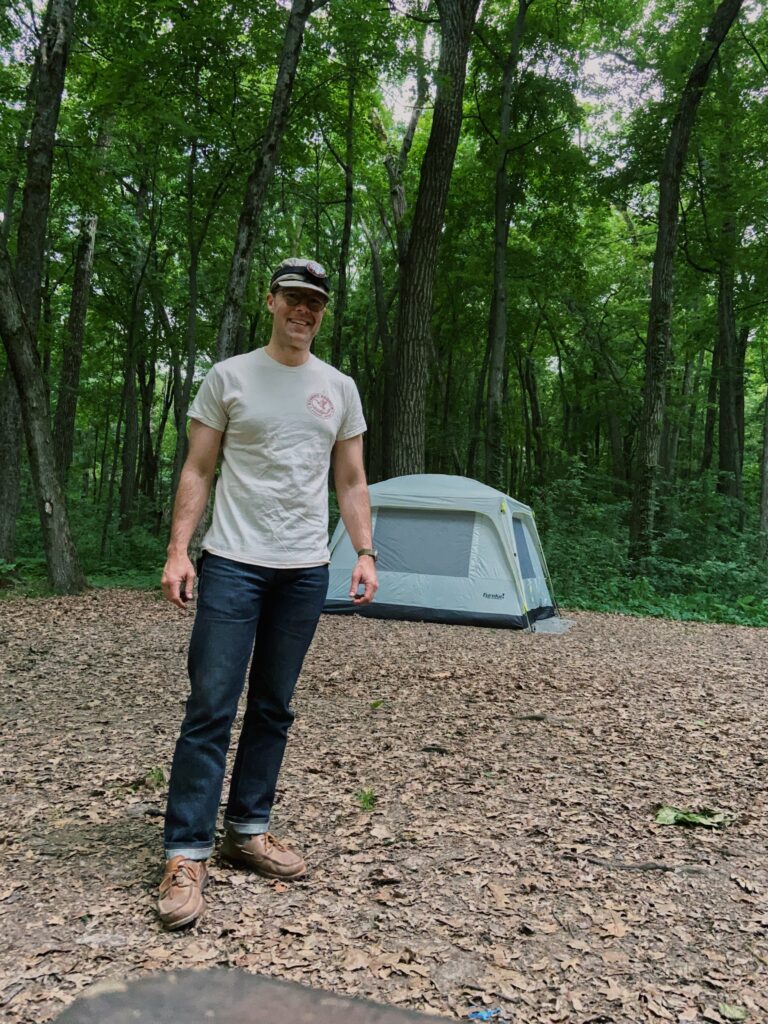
(321, 405)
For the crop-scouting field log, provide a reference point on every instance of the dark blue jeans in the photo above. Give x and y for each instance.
(241, 609)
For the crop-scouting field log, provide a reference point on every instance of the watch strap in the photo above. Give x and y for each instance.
(368, 551)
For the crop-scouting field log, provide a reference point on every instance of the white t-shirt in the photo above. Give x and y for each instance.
(280, 424)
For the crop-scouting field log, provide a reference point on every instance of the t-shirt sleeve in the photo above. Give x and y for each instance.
(353, 421)
(208, 406)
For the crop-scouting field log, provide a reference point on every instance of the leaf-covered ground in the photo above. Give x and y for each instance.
(511, 860)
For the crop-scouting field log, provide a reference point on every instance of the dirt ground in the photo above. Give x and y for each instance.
(510, 863)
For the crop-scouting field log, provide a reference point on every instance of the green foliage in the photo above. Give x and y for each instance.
(7, 573)
(161, 121)
(699, 572)
(155, 778)
(729, 1011)
(366, 798)
(705, 817)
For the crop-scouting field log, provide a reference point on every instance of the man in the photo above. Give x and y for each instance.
(279, 416)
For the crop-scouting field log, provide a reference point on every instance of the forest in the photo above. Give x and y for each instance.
(545, 223)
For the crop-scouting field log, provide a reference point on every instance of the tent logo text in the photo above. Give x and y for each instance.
(494, 597)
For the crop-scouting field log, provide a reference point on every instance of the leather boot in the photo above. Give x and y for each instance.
(263, 853)
(181, 892)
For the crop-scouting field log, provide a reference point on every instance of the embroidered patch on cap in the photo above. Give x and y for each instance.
(321, 405)
(315, 269)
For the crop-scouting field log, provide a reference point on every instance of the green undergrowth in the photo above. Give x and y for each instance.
(705, 566)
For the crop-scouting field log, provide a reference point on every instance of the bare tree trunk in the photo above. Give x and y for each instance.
(476, 422)
(260, 177)
(537, 421)
(10, 460)
(670, 448)
(112, 478)
(496, 457)
(20, 299)
(133, 341)
(346, 164)
(10, 409)
(657, 352)
(710, 419)
(691, 416)
(147, 464)
(386, 377)
(395, 165)
(64, 572)
(131, 433)
(457, 18)
(72, 357)
(730, 448)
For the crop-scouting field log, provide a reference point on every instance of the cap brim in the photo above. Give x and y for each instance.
(289, 281)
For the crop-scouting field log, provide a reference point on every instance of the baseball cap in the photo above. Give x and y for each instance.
(299, 273)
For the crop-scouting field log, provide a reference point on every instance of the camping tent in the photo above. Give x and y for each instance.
(450, 550)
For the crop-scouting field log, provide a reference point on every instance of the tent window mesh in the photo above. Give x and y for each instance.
(428, 542)
(523, 554)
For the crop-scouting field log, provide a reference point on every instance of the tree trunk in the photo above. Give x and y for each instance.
(710, 419)
(10, 460)
(131, 433)
(691, 417)
(618, 465)
(147, 465)
(457, 18)
(340, 297)
(20, 301)
(673, 432)
(259, 179)
(658, 339)
(112, 478)
(537, 421)
(69, 378)
(10, 409)
(386, 376)
(496, 456)
(64, 572)
(476, 423)
(730, 447)
(395, 165)
(133, 342)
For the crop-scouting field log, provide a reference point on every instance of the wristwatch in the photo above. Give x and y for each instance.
(368, 551)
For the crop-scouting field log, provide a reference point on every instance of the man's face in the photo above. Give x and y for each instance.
(297, 313)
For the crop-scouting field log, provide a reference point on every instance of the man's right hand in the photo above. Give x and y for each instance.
(178, 580)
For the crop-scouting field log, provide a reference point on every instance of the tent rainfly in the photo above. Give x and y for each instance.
(450, 550)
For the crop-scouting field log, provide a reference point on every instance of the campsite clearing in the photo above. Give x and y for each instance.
(509, 857)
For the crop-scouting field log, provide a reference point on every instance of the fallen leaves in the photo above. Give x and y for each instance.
(509, 862)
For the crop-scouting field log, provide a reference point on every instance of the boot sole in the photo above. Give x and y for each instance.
(189, 919)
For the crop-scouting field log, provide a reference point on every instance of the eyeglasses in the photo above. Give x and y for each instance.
(300, 298)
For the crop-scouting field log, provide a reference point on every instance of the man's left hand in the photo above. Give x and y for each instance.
(364, 574)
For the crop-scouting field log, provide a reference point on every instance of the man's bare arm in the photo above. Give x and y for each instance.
(191, 498)
(355, 508)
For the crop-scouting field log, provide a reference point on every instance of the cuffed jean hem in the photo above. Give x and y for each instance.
(190, 852)
(246, 828)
